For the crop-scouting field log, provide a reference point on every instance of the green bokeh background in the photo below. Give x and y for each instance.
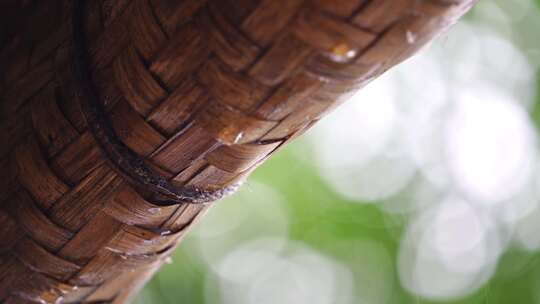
(326, 222)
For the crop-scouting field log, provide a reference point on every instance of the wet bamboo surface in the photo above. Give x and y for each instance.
(201, 91)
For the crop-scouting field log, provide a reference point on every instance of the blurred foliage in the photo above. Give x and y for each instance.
(535, 112)
(333, 226)
(330, 224)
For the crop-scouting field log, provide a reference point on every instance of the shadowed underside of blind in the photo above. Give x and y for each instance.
(121, 121)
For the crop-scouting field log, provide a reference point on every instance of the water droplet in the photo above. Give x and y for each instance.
(411, 37)
(350, 54)
(31, 298)
(154, 210)
(165, 232)
(114, 250)
(58, 291)
(40, 300)
(238, 137)
(342, 53)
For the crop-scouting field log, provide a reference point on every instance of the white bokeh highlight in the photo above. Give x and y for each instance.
(449, 251)
(489, 145)
(256, 206)
(446, 139)
(255, 272)
(352, 146)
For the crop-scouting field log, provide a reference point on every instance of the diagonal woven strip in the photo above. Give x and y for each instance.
(127, 162)
(201, 92)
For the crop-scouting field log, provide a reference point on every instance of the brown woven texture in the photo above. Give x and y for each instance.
(204, 91)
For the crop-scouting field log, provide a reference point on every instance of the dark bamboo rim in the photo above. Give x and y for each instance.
(125, 161)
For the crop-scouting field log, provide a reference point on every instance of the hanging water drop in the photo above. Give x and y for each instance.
(238, 137)
(165, 232)
(411, 37)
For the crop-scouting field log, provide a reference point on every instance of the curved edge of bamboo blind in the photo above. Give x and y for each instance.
(202, 91)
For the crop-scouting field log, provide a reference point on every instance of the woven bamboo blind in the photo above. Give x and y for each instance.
(201, 91)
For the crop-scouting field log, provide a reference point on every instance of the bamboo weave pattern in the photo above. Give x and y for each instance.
(203, 91)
